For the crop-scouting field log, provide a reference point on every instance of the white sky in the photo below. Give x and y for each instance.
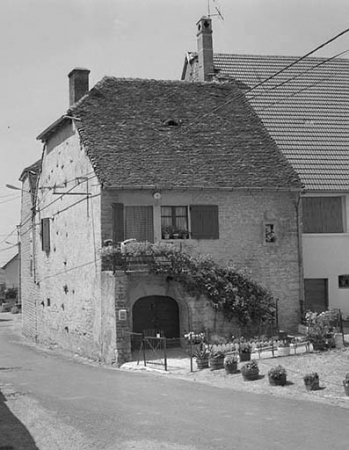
(42, 40)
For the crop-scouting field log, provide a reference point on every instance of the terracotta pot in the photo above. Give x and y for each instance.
(280, 381)
(216, 363)
(202, 363)
(231, 368)
(250, 375)
(312, 386)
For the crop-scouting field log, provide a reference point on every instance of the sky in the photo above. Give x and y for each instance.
(41, 41)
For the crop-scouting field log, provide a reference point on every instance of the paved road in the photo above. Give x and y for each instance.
(54, 403)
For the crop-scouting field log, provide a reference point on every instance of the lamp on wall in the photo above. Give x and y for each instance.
(157, 195)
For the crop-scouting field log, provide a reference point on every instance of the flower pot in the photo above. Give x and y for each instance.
(166, 236)
(279, 381)
(283, 351)
(346, 388)
(216, 363)
(245, 356)
(231, 368)
(319, 346)
(250, 375)
(312, 386)
(202, 363)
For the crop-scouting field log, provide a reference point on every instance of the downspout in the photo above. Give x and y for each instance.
(300, 254)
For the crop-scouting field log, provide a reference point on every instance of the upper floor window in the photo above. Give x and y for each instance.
(322, 214)
(195, 221)
(45, 234)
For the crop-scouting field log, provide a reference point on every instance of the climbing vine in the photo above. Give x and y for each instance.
(228, 290)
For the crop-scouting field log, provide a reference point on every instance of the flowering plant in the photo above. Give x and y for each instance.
(277, 372)
(194, 338)
(250, 366)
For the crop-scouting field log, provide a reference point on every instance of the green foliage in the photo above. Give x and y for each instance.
(228, 290)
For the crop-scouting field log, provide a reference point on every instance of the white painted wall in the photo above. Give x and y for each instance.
(327, 256)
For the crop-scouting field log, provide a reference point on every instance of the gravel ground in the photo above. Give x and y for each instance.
(331, 366)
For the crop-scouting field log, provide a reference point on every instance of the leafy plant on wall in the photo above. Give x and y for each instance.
(228, 290)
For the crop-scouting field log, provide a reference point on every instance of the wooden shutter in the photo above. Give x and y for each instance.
(45, 234)
(139, 223)
(322, 215)
(204, 222)
(118, 222)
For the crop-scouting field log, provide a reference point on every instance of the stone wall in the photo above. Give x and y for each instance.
(243, 217)
(68, 275)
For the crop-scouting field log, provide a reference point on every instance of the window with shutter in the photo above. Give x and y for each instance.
(45, 234)
(322, 214)
(118, 222)
(204, 222)
(139, 223)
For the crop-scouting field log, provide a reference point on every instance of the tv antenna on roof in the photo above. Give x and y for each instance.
(217, 13)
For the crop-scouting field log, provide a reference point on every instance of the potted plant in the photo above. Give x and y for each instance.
(231, 363)
(216, 360)
(311, 381)
(245, 350)
(183, 233)
(277, 376)
(202, 354)
(167, 231)
(346, 384)
(317, 336)
(250, 370)
(283, 348)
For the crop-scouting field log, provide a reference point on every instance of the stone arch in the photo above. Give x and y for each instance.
(156, 313)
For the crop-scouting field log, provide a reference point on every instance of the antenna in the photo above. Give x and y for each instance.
(218, 13)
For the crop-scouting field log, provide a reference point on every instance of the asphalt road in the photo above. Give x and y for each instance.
(52, 402)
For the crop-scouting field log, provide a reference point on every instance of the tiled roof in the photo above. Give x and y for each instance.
(124, 126)
(307, 116)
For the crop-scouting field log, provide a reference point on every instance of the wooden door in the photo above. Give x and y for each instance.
(316, 294)
(156, 313)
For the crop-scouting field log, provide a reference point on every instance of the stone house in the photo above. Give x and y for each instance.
(128, 158)
(304, 105)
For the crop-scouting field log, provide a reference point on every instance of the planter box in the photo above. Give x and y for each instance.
(202, 363)
(280, 381)
(250, 375)
(283, 351)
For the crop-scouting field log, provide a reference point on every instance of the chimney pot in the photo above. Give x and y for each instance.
(78, 84)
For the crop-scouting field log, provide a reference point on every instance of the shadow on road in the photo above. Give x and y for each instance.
(13, 434)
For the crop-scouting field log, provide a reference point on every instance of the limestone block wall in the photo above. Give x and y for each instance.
(30, 293)
(68, 273)
(243, 217)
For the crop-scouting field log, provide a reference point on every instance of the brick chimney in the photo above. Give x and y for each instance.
(78, 84)
(205, 49)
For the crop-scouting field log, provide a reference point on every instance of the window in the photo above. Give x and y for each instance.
(174, 220)
(270, 235)
(132, 222)
(45, 234)
(322, 215)
(343, 281)
(203, 220)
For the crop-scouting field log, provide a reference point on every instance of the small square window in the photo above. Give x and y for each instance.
(270, 235)
(343, 281)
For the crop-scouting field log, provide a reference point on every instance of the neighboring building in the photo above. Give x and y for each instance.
(129, 157)
(305, 108)
(11, 272)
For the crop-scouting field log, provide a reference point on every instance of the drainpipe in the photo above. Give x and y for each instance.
(300, 253)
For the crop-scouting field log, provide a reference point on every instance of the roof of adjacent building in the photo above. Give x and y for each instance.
(305, 109)
(177, 134)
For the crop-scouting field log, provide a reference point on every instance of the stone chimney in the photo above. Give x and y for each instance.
(205, 49)
(78, 84)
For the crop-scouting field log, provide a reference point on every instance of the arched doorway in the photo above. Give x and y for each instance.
(156, 313)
